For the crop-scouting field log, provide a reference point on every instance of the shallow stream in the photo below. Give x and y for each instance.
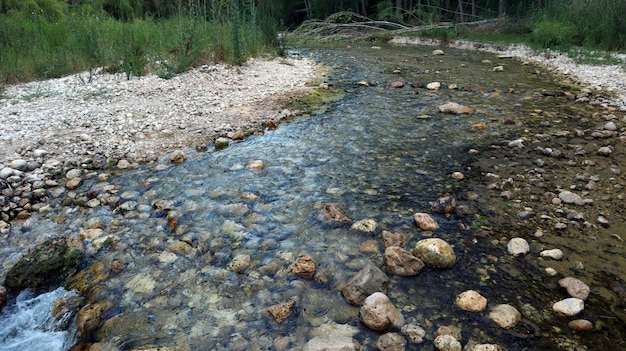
(379, 152)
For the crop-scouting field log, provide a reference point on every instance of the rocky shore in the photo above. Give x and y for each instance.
(55, 131)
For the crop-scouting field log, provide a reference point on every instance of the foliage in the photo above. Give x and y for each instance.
(87, 36)
(550, 34)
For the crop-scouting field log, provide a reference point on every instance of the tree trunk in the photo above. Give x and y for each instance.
(501, 8)
(398, 7)
(461, 15)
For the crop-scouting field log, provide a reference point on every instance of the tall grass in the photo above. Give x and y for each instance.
(597, 24)
(34, 46)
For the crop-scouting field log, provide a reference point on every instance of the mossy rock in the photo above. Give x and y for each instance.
(47, 266)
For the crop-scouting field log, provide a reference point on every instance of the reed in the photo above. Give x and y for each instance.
(596, 24)
(35, 46)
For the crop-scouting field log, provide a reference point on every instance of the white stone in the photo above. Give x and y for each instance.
(447, 343)
(517, 246)
(569, 197)
(505, 316)
(569, 307)
(433, 86)
(555, 254)
(331, 343)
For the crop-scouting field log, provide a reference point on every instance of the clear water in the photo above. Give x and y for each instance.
(380, 153)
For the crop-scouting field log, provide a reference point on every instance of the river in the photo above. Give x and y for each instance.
(381, 153)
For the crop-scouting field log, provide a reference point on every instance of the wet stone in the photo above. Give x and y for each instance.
(445, 205)
(399, 261)
(414, 333)
(332, 343)
(505, 316)
(447, 343)
(569, 307)
(472, 301)
(368, 281)
(304, 267)
(425, 221)
(555, 254)
(365, 225)
(282, 310)
(391, 342)
(575, 287)
(517, 246)
(435, 252)
(580, 325)
(379, 313)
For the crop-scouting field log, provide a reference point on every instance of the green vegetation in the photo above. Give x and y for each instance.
(48, 38)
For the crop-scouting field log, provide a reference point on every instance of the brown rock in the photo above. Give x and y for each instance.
(304, 267)
(396, 84)
(332, 213)
(74, 183)
(368, 281)
(444, 205)
(401, 262)
(580, 325)
(575, 287)
(282, 310)
(367, 225)
(425, 221)
(84, 280)
(256, 165)
(393, 239)
(391, 342)
(271, 124)
(472, 301)
(454, 108)
(378, 313)
(177, 157)
(236, 135)
(89, 318)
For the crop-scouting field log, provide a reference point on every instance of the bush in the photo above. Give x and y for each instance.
(547, 34)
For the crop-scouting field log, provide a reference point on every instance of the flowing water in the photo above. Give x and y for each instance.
(378, 152)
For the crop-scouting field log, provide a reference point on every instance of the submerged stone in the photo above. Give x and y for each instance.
(47, 267)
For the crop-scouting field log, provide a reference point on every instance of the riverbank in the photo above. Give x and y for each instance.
(609, 80)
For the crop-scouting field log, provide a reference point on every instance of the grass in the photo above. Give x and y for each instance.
(33, 46)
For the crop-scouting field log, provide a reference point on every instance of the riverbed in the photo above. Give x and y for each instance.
(382, 151)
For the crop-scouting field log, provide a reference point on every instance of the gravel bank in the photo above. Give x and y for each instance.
(610, 79)
(111, 117)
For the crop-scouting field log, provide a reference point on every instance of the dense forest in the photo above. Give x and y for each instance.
(50, 38)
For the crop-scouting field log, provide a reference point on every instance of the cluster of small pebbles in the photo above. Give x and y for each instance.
(59, 132)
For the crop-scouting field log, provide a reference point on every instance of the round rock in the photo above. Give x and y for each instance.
(517, 246)
(472, 301)
(435, 252)
(378, 313)
(580, 325)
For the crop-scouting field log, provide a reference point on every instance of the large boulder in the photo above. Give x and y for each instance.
(368, 281)
(47, 266)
